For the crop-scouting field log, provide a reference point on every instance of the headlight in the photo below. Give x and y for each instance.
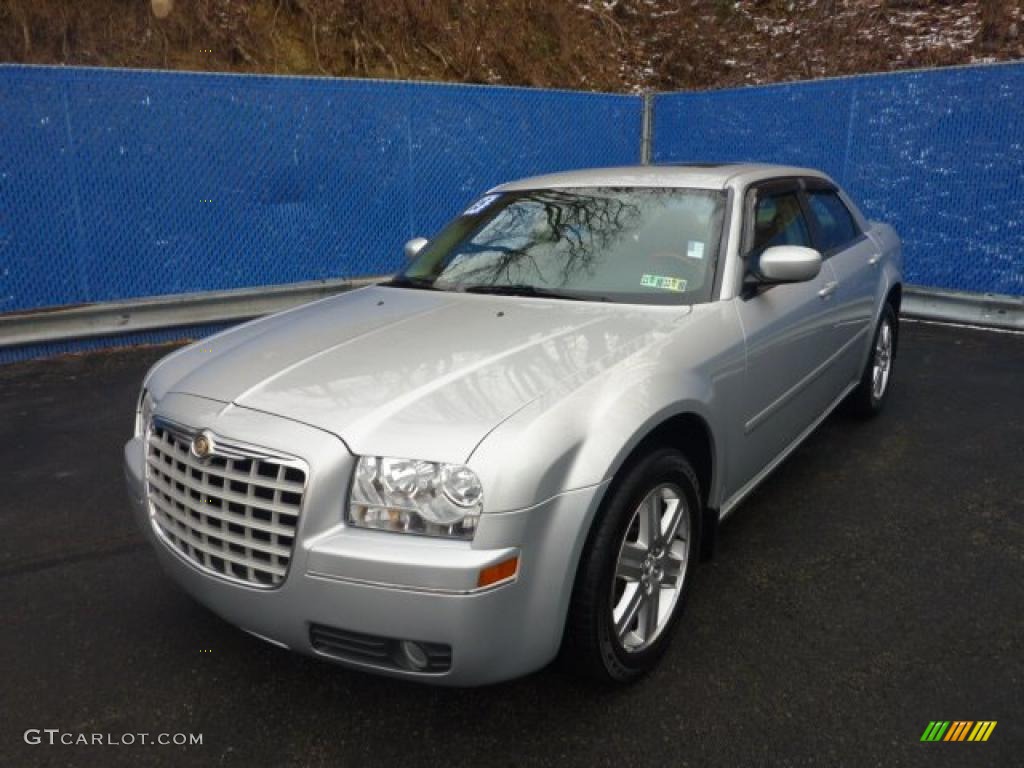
(412, 496)
(143, 412)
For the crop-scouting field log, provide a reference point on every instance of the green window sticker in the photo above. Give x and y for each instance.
(663, 282)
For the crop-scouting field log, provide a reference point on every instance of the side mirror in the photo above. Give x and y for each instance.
(414, 246)
(786, 264)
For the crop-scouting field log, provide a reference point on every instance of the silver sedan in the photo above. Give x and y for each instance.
(520, 446)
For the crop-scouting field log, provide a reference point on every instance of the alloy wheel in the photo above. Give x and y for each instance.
(882, 363)
(651, 568)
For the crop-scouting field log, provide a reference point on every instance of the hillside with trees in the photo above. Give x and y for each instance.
(608, 45)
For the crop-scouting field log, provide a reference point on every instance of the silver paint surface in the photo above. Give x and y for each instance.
(543, 399)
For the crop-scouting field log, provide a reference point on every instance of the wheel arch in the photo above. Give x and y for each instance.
(689, 432)
(895, 297)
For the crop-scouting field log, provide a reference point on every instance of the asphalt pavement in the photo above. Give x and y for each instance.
(873, 584)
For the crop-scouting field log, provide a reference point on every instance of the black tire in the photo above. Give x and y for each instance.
(591, 646)
(864, 401)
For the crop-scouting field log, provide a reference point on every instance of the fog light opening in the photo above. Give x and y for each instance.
(413, 655)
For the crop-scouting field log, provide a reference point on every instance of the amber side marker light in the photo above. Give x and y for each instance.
(506, 569)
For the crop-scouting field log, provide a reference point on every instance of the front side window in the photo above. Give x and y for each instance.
(779, 220)
(636, 245)
(836, 226)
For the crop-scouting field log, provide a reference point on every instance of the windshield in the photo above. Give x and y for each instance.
(637, 245)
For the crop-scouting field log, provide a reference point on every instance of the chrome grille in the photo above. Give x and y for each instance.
(234, 513)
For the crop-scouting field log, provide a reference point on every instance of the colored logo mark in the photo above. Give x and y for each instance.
(958, 730)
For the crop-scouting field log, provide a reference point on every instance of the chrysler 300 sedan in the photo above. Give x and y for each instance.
(521, 445)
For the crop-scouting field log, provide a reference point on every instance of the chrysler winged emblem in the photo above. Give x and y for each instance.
(202, 445)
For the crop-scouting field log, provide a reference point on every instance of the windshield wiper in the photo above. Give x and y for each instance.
(528, 290)
(420, 283)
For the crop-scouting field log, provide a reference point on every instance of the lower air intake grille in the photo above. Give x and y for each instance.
(233, 513)
(377, 651)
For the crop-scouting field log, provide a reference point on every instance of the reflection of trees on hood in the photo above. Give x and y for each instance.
(582, 227)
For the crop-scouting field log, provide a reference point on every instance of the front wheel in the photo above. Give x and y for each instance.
(870, 395)
(634, 575)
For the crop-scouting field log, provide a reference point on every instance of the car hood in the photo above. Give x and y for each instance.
(424, 374)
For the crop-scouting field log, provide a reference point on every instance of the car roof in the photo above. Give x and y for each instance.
(696, 175)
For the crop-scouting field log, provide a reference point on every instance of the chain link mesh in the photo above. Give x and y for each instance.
(938, 154)
(119, 183)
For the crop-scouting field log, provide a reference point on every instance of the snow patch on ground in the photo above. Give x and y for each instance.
(751, 42)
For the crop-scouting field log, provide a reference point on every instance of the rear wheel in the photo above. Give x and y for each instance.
(635, 573)
(870, 395)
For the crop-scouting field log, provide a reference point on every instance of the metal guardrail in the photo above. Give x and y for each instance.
(156, 312)
(988, 310)
(189, 309)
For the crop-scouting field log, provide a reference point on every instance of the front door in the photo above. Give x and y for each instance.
(788, 332)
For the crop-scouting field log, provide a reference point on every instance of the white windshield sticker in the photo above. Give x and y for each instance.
(695, 249)
(479, 205)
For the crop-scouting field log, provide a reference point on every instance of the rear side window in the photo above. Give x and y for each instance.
(835, 222)
(779, 220)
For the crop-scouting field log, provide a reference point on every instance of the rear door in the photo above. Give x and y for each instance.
(788, 331)
(854, 260)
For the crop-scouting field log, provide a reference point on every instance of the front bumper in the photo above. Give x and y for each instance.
(387, 585)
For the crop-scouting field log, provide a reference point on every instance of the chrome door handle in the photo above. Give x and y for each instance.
(829, 289)
(875, 259)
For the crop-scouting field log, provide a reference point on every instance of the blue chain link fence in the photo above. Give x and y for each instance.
(938, 154)
(117, 183)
